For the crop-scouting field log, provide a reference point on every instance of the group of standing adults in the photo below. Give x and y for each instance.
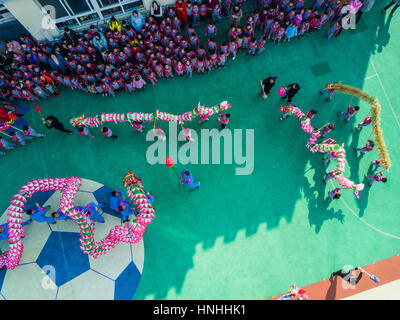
(236, 13)
(180, 6)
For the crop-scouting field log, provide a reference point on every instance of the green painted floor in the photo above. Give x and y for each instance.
(246, 237)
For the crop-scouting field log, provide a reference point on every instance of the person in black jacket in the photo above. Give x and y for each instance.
(291, 90)
(348, 273)
(6, 59)
(266, 86)
(70, 36)
(53, 122)
(57, 49)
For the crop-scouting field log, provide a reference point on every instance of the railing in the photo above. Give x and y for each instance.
(5, 15)
(97, 14)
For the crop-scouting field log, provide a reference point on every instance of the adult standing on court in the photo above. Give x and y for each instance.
(235, 15)
(57, 62)
(187, 179)
(137, 20)
(348, 273)
(291, 91)
(53, 122)
(266, 86)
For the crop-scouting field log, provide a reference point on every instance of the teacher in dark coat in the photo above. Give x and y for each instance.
(70, 36)
(235, 15)
(56, 62)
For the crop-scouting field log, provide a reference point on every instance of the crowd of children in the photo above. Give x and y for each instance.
(126, 57)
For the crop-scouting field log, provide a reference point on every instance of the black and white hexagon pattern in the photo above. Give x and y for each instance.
(54, 267)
